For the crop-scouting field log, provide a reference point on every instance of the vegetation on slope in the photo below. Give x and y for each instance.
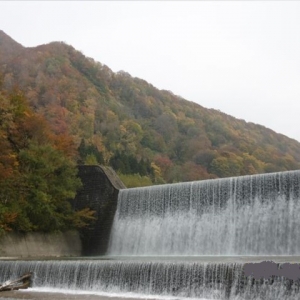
(149, 136)
(37, 172)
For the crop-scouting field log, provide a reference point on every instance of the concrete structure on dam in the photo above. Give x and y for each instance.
(100, 190)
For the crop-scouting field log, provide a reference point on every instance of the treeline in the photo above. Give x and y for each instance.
(38, 174)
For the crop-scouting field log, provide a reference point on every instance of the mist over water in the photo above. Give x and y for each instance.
(250, 215)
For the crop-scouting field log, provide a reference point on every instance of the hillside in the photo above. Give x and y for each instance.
(129, 124)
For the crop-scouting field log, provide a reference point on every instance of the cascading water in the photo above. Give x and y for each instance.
(249, 215)
(180, 279)
(165, 232)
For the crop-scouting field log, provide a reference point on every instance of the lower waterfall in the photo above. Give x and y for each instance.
(178, 279)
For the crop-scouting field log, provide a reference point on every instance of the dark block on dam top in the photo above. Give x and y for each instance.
(100, 193)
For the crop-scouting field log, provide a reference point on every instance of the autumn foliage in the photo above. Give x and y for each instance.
(147, 135)
(37, 171)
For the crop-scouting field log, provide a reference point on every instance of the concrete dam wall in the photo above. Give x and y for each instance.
(100, 193)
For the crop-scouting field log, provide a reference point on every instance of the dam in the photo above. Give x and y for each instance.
(233, 238)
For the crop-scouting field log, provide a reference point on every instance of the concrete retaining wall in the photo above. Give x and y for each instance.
(39, 244)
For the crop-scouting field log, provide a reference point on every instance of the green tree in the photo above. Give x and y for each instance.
(49, 180)
(39, 173)
(226, 166)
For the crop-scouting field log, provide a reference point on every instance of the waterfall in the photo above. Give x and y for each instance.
(247, 215)
(189, 240)
(182, 279)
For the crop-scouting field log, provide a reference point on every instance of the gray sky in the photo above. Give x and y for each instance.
(241, 57)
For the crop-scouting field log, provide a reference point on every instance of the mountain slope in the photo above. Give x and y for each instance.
(8, 47)
(129, 124)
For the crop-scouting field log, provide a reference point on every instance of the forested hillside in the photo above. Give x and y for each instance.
(148, 135)
(38, 175)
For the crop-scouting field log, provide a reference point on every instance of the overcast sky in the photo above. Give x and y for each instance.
(241, 57)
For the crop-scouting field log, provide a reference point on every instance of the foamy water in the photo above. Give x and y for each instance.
(250, 215)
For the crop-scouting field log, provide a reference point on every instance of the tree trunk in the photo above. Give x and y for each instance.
(19, 283)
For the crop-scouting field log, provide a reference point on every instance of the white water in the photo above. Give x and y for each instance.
(165, 279)
(112, 295)
(250, 215)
